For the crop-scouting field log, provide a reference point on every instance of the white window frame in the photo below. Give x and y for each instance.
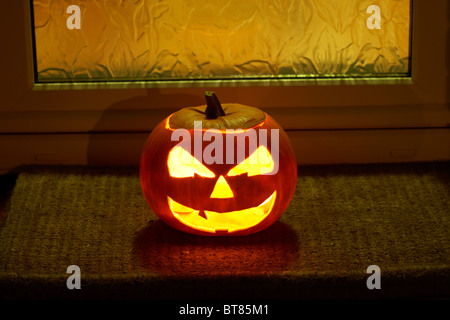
(338, 120)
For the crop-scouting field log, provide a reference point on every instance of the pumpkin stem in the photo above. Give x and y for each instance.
(214, 108)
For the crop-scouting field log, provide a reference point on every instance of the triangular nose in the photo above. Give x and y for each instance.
(222, 189)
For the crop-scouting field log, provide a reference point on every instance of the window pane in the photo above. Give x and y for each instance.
(220, 39)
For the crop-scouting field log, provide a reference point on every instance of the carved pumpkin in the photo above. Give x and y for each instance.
(237, 183)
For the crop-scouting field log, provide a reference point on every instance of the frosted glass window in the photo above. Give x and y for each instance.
(220, 39)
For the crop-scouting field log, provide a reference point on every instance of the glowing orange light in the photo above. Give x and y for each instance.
(259, 162)
(222, 189)
(182, 164)
(223, 131)
(213, 222)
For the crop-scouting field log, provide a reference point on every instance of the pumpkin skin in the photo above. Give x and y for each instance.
(195, 204)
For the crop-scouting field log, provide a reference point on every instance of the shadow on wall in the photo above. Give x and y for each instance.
(108, 146)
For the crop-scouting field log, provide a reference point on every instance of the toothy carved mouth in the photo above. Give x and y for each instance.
(225, 222)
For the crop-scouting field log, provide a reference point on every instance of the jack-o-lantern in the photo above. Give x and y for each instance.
(237, 183)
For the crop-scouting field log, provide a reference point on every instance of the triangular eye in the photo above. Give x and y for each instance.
(259, 162)
(183, 165)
